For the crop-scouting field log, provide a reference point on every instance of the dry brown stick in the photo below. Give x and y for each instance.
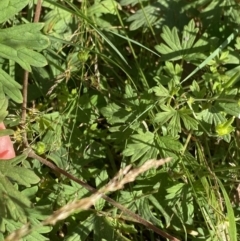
(25, 81)
(24, 107)
(123, 177)
(38, 11)
(144, 222)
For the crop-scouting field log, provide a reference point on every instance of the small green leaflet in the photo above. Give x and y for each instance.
(3, 104)
(144, 17)
(175, 117)
(10, 87)
(103, 7)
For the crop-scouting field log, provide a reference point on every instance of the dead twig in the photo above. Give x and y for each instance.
(85, 203)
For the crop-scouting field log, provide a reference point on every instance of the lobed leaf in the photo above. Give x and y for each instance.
(10, 87)
(3, 104)
(11, 7)
(16, 43)
(140, 144)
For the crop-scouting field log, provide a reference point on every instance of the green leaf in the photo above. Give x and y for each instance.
(6, 132)
(160, 91)
(106, 228)
(59, 157)
(101, 180)
(231, 81)
(144, 17)
(214, 54)
(165, 116)
(115, 113)
(175, 191)
(130, 2)
(17, 43)
(131, 95)
(174, 126)
(19, 174)
(230, 108)
(169, 145)
(140, 144)
(3, 104)
(81, 232)
(211, 115)
(10, 87)
(237, 45)
(173, 48)
(158, 206)
(146, 212)
(232, 229)
(11, 200)
(175, 71)
(103, 7)
(188, 121)
(11, 7)
(35, 235)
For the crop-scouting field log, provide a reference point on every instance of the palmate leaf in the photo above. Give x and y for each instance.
(186, 48)
(175, 117)
(17, 43)
(133, 110)
(11, 226)
(189, 122)
(144, 17)
(230, 108)
(153, 13)
(116, 114)
(103, 7)
(12, 201)
(228, 103)
(169, 146)
(81, 232)
(141, 146)
(212, 115)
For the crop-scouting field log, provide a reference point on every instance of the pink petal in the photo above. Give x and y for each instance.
(6, 146)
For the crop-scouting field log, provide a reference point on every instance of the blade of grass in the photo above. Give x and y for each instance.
(77, 12)
(134, 42)
(230, 214)
(213, 55)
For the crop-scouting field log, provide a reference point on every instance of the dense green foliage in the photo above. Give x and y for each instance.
(114, 83)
